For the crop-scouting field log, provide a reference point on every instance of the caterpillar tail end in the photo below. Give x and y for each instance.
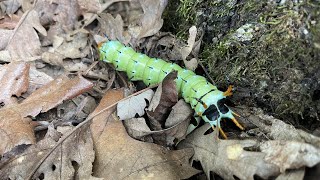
(228, 92)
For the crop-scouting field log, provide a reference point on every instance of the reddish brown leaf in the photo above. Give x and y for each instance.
(9, 22)
(14, 126)
(14, 80)
(14, 130)
(53, 94)
(99, 122)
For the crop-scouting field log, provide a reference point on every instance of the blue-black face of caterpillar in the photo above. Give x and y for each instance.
(215, 112)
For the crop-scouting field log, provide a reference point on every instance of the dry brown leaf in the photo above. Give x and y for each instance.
(46, 10)
(177, 122)
(151, 21)
(165, 97)
(24, 47)
(53, 94)
(118, 156)
(290, 154)
(73, 159)
(15, 128)
(113, 27)
(66, 14)
(275, 128)
(227, 158)
(138, 129)
(74, 46)
(37, 79)
(14, 80)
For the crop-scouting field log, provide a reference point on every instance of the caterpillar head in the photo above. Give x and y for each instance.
(215, 112)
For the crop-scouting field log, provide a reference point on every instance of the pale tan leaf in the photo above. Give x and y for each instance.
(128, 108)
(290, 154)
(74, 46)
(10, 7)
(185, 51)
(228, 158)
(5, 56)
(4, 36)
(37, 79)
(22, 46)
(9, 22)
(89, 5)
(175, 127)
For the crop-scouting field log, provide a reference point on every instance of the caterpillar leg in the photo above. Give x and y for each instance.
(235, 121)
(223, 134)
(228, 92)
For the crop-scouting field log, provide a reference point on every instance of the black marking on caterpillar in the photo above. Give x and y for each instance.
(205, 98)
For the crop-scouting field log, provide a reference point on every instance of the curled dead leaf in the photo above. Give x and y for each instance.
(185, 51)
(165, 97)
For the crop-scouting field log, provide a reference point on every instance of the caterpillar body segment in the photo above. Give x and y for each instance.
(204, 97)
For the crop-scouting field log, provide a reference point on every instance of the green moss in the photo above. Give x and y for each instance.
(180, 16)
(276, 61)
(278, 66)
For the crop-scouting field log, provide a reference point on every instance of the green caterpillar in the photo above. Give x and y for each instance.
(207, 101)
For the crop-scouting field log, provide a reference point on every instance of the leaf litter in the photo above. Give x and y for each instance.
(121, 157)
(40, 107)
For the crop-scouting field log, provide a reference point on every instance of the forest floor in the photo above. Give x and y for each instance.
(66, 115)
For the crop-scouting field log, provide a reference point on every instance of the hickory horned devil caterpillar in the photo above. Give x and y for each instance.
(207, 101)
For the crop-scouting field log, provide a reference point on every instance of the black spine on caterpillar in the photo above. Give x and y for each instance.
(204, 98)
